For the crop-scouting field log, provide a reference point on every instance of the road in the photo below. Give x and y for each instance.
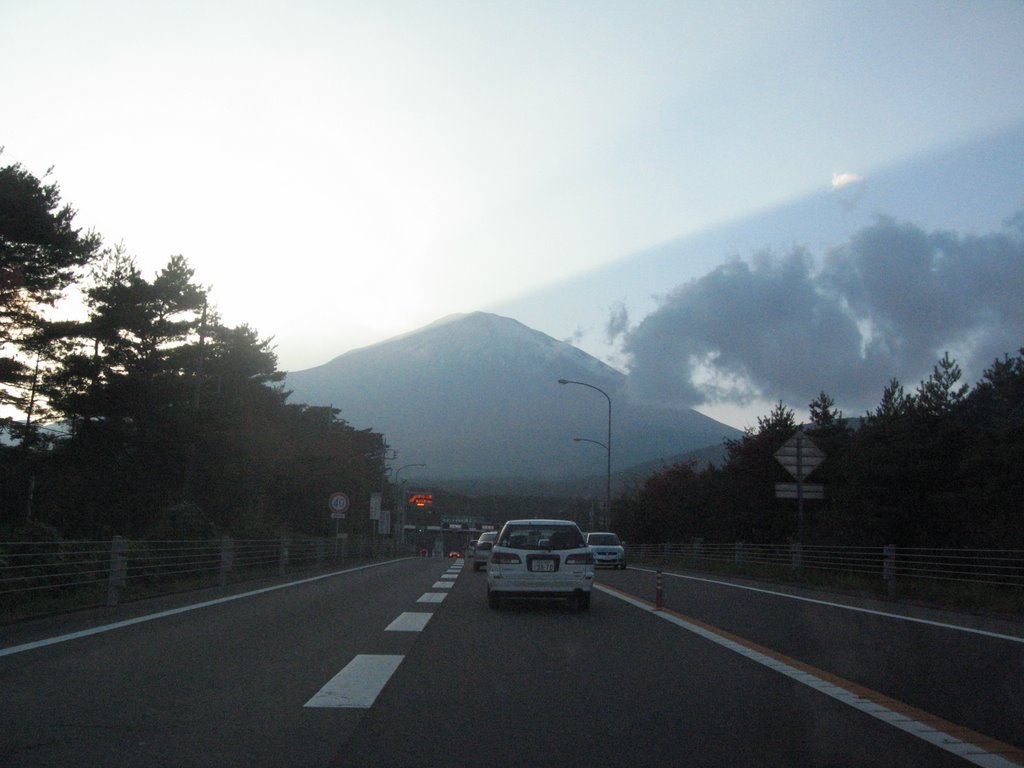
(356, 669)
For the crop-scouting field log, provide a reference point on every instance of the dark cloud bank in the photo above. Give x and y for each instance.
(886, 304)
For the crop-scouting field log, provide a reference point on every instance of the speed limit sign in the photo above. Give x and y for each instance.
(338, 504)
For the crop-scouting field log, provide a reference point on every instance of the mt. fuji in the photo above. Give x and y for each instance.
(477, 396)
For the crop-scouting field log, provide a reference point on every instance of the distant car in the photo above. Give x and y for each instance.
(453, 553)
(482, 552)
(607, 548)
(540, 559)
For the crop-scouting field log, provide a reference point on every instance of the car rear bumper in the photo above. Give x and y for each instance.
(531, 585)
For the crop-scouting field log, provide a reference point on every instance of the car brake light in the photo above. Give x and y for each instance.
(505, 558)
(583, 558)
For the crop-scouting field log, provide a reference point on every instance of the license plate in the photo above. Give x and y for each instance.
(543, 565)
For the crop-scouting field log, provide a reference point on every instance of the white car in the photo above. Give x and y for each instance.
(482, 551)
(540, 559)
(608, 550)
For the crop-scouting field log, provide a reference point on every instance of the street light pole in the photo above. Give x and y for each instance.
(401, 497)
(607, 447)
(595, 442)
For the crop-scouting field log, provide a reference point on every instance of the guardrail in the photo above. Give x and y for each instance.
(39, 577)
(991, 567)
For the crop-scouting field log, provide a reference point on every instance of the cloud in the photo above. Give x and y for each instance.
(577, 336)
(840, 180)
(618, 322)
(885, 304)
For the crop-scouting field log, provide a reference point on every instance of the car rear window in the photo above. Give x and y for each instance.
(606, 539)
(541, 537)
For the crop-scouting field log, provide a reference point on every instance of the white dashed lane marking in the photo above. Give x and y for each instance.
(409, 622)
(361, 681)
(358, 684)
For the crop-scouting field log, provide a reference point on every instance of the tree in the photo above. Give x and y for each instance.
(998, 399)
(124, 379)
(828, 426)
(939, 394)
(41, 254)
(993, 488)
(894, 405)
(749, 478)
(823, 411)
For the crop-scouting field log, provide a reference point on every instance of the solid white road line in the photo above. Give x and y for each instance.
(409, 622)
(432, 597)
(358, 684)
(870, 611)
(903, 720)
(175, 611)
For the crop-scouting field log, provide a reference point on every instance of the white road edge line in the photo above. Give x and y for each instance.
(358, 684)
(970, 752)
(175, 611)
(898, 616)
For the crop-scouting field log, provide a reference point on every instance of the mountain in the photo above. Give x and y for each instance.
(477, 396)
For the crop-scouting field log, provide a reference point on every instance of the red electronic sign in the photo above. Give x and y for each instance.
(422, 499)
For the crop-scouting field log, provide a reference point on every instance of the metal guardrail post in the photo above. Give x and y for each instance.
(741, 556)
(118, 569)
(321, 551)
(284, 554)
(796, 552)
(889, 567)
(227, 558)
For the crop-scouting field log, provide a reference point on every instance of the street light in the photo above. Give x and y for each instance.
(401, 495)
(595, 442)
(406, 466)
(607, 446)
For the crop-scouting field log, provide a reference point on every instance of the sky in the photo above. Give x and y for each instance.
(737, 203)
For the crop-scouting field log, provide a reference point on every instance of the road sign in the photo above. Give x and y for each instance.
(799, 455)
(809, 491)
(466, 521)
(338, 504)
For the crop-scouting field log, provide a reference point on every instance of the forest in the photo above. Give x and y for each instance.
(148, 417)
(940, 466)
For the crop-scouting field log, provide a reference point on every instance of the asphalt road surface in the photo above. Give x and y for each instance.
(403, 664)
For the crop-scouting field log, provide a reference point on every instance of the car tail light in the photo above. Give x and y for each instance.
(581, 558)
(505, 558)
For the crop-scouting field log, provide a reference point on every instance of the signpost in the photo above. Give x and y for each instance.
(800, 456)
(796, 490)
(338, 504)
